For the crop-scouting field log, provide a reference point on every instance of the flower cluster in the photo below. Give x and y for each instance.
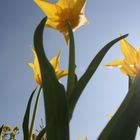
(9, 133)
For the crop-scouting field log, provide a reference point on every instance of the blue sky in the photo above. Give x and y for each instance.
(105, 90)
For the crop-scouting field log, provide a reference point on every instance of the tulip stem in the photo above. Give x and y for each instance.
(34, 114)
(71, 65)
(129, 82)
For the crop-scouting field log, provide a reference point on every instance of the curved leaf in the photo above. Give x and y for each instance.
(55, 101)
(25, 124)
(34, 113)
(83, 81)
(124, 124)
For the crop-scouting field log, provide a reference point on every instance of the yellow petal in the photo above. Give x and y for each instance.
(64, 4)
(78, 138)
(51, 10)
(37, 73)
(119, 64)
(128, 51)
(129, 70)
(31, 65)
(55, 62)
(37, 78)
(123, 70)
(115, 63)
(52, 24)
(61, 74)
(79, 6)
(82, 21)
(36, 63)
(110, 115)
(138, 50)
(85, 138)
(138, 59)
(66, 37)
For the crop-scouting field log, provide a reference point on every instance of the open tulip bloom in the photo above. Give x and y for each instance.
(130, 65)
(54, 62)
(63, 11)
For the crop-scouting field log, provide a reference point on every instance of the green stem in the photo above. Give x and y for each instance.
(71, 65)
(34, 113)
(129, 82)
(129, 85)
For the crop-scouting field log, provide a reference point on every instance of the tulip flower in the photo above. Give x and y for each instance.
(63, 11)
(54, 62)
(130, 65)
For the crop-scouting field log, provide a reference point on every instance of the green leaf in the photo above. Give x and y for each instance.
(83, 81)
(34, 113)
(55, 100)
(25, 124)
(71, 67)
(124, 123)
(41, 133)
(1, 130)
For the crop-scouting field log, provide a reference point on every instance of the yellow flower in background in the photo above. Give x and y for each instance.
(12, 134)
(6, 128)
(79, 138)
(55, 63)
(16, 128)
(110, 115)
(34, 135)
(130, 65)
(58, 13)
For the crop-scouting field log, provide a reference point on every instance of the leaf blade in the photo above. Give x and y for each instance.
(34, 113)
(25, 124)
(41, 134)
(55, 100)
(124, 123)
(81, 84)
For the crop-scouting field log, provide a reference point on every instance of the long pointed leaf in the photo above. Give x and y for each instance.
(25, 124)
(71, 70)
(55, 101)
(34, 113)
(83, 81)
(124, 124)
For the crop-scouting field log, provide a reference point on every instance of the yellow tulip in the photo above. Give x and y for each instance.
(63, 11)
(54, 62)
(130, 65)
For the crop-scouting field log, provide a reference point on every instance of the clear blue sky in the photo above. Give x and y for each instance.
(106, 89)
